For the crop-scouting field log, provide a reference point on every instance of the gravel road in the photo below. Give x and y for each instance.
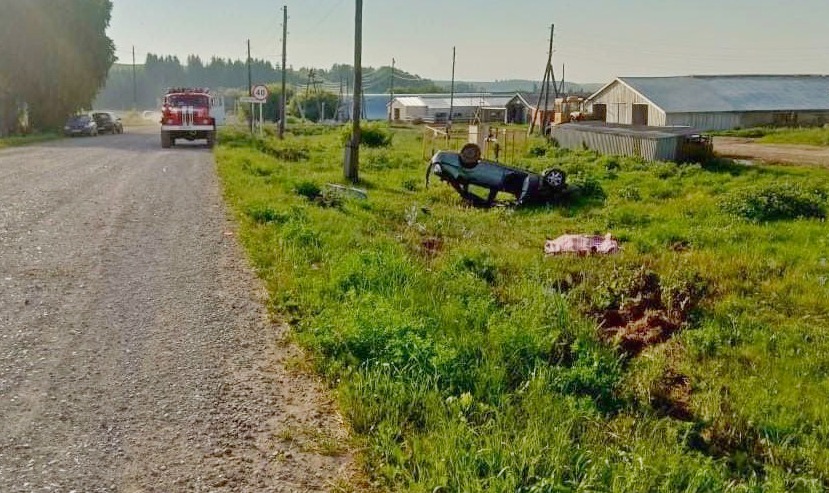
(135, 352)
(738, 147)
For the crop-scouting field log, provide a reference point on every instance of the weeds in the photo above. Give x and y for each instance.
(466, 361)
(776, 202)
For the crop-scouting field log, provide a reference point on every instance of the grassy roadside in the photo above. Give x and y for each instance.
(27, 139)
(797, 136)
(467, 361)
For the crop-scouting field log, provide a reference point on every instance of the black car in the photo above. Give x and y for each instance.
(108, 122)
(80, 125)
(467, 168)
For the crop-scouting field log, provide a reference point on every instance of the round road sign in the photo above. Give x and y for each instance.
(260, 92)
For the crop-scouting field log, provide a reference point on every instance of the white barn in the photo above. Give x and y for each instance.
(714, 102)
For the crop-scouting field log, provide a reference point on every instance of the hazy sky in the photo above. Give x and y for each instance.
(596, 39)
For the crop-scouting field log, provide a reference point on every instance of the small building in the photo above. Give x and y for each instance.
(525, 106)
(716, 102)
(649, 143)
(435, 108)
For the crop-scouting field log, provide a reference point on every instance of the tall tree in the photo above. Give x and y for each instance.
(57, 54)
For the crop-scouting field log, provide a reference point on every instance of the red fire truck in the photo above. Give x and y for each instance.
(190, 114)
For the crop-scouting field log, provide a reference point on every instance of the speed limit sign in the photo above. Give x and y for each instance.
(260, 92)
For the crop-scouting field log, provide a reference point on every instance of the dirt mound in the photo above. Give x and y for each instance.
(650, 311)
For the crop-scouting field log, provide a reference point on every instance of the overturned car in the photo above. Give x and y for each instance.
(465, 168)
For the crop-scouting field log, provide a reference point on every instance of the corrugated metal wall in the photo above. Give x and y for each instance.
(705, 121)
(620, 99)
(648, 148)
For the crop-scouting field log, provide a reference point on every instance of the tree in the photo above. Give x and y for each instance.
(311, 105)
(56, 53)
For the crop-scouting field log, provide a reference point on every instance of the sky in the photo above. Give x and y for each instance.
(595, 40)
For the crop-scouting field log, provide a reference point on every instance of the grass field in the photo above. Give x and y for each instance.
(799, 136)
(467, 361)
(28, 139)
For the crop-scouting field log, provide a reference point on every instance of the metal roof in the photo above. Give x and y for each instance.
(732, 93)
(632, 130)
(411, 101)
(442, 101)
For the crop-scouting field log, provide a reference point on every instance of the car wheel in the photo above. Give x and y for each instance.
(554, 178)
(470, 155)
(166, 140)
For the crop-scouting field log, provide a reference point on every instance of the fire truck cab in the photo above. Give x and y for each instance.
(190, 114)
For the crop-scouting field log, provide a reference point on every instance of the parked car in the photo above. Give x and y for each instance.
(80, 125)
(467, 168)
(108, 122)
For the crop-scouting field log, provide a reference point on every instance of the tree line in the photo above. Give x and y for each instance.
(54, 58)
(159, 72)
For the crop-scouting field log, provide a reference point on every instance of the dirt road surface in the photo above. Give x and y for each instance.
(771, 153)
(135, 353)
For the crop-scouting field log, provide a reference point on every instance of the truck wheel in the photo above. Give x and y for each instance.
(211, 139)
(166, 140)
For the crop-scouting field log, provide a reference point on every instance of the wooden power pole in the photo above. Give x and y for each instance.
(451, 95)
(391, 90)
(284, 71)
(544, 95)
(250, 91)
(134, 83)
(351, 167)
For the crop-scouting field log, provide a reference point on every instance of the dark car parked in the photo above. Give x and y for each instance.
(80, 125)
(467, 168)
(108, 122)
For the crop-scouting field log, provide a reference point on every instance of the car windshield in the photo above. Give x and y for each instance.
(180, 100)
(80, 119)
(102, 116)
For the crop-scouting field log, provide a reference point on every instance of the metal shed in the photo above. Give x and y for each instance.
(649, 143)
(717, 102)
(435, 107)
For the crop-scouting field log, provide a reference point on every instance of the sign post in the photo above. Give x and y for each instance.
(258, 98)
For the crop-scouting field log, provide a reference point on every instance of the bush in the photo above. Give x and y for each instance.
(537, 150)
(308, 189)
(264, 214)
(776, 202)
(371, 135)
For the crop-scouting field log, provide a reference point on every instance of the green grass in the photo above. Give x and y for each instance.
(800, 136)
(466, 361)
(818, 136)
(26, 140)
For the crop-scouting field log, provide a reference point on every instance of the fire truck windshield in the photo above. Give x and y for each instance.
(181, 100)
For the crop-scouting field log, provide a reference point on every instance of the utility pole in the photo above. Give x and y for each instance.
(451, 96)
(250, 91)
(545, 88)
(134, 83)
(549, 77)
(351, 167)
(340, 101)
(391, 90)
(284, 68)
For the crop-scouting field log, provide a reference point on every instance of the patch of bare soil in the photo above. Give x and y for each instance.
(742, 148)
(644, 317)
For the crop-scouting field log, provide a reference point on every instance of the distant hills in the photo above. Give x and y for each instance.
(521, 85)
(159, 72)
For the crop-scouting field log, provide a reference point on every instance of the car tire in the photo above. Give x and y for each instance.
(554, 178)
(470, 155)
(166, 140)
(211, 139)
